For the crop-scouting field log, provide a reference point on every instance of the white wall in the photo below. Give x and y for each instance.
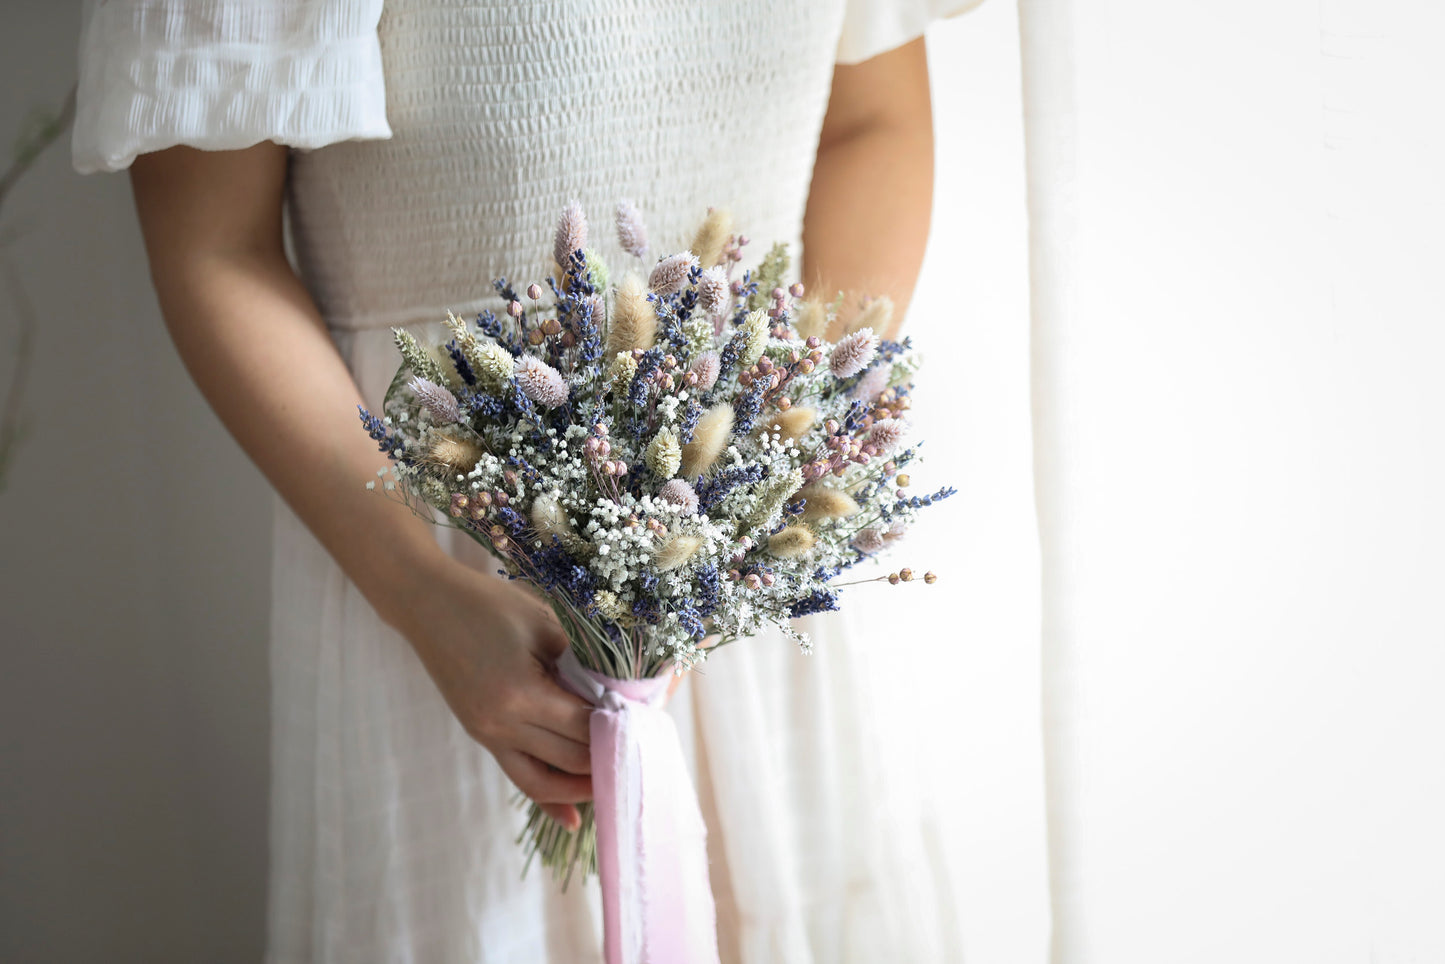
(133, 697)
(133, 605)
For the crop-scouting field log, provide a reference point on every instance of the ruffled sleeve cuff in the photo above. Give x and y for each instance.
(225, 74)
(872, 27)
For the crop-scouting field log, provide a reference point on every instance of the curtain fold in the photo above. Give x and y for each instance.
(1237, 337)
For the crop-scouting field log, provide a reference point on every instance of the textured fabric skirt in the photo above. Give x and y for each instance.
(394, 835)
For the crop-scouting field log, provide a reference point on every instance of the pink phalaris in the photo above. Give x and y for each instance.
(631, 232)
(571, 234)
(868, 541)
(681, 494)
(712, 289)
(872, 384)
(706, 367)
(886, 434)
(541, 382)
(671, 273)
(853, 353)
(441, 403)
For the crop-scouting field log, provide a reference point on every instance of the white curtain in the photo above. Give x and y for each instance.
(1237, 272)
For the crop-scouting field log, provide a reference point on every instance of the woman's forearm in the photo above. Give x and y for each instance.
(868, 210)
(251, 338)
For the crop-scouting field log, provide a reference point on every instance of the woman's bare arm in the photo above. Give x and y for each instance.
(252, 339)
(868, 209)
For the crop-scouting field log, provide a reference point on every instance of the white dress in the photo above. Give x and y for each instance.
(436, 142)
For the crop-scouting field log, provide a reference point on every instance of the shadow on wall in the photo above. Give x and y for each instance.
(134, 599)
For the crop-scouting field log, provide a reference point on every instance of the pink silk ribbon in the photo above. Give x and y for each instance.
(657, 903)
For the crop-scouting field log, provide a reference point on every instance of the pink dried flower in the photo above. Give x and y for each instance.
(671, 273)
(541, 382)
(631, 232)
(868, 541)
(441, 403)
(680, 493)
(706, 367)
(712, 289)
(571, 234)
(886, 434)
(872, 384)
(853, 353)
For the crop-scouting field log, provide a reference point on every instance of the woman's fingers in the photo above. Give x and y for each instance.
(566, 755)
(554, 708)
(563, 813)
(541, 784)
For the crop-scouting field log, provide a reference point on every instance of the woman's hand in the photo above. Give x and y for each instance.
(252, 338)
(490, 647)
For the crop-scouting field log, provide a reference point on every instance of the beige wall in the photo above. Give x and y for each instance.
(133, 603)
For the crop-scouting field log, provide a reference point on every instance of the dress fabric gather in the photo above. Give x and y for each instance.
(435, 142)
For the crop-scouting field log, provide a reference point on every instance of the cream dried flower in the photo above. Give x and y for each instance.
(755, 331)
(460, 455)
(620, 372)
(877, 314)
(634, 323)
(679, 548)
(550, 519)
(709, 438)
(664, 454)
(493, 364)
(853, 353)
(823, 502)
(671, 273)
(792, 424)
(791, 542)
(811, 320)
(712, 236)
(541, 382)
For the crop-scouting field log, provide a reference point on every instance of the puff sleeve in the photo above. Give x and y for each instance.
(225, 74)
(871, 27)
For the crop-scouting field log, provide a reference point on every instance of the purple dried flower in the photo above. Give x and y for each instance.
(541, 382)
(706, 367)
(853, 353)
(872, 384)
(671, 273)
(571, 234)
(631, 232)
(712, 289)
(680, 493)
(441, 403)
(868, 541)
(886, 434)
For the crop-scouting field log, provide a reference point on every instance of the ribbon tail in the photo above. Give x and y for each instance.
(657, 903)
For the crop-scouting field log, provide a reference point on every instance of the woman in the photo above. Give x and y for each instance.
(420, 149)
